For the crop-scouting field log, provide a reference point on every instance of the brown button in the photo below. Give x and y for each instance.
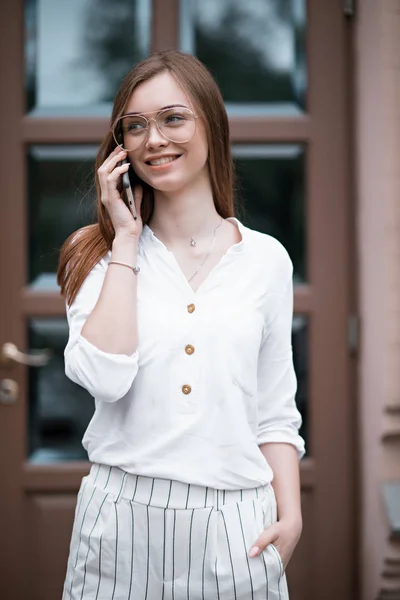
(191, 308)
(189, 349)
(186, 389)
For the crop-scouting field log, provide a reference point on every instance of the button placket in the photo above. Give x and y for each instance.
(188, 386)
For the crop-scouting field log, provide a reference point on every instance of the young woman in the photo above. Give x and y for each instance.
(180, 327)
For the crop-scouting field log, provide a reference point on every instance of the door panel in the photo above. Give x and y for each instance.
(49, 519)
(289, 129)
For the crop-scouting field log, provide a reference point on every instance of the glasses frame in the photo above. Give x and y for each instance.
(163, 110)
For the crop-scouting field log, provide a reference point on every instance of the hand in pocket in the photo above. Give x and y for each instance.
(284, 535)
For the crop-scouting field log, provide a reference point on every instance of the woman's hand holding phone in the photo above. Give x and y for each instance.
(121, 216)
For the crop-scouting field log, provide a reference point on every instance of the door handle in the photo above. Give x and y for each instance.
(9, 353)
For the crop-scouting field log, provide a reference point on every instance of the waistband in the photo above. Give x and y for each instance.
(166, 493)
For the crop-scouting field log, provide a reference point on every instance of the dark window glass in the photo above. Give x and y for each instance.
(300, 333)
(255, 50)
(61, 199)
(271, 195)
(59, 410)
(77, 52)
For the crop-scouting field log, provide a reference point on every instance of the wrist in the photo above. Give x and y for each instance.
(124, 237)
(293, 522)
(125, 248)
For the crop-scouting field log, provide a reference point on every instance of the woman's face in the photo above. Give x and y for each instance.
(190, 158)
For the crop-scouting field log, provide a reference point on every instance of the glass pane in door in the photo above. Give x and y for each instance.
(77, 52)
(59, 410)
(61, 198)
(300, 335)
(272, 196)
(255, 49)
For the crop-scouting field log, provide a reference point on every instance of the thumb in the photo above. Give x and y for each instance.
(264, 539)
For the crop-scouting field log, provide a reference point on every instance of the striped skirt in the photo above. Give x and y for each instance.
(140, 538)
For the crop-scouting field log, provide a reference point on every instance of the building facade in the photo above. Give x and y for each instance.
(312, 93)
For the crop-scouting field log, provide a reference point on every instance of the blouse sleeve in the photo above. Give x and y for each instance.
(105, 376)
(279, 418)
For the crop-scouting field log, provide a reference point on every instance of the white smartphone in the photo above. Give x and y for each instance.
(128, 190)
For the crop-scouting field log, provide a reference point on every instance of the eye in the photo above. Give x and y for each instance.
(174, 119)
(134, 126)
(131, 125)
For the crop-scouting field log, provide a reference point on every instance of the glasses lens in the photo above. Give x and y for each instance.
(130, 131)
(177, 124)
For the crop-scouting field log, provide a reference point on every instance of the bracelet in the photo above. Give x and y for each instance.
(136, 269)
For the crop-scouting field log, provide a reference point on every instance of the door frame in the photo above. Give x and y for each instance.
(327, 130)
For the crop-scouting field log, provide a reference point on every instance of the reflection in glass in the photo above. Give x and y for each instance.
(300, 360)
(59, 410)
(61, 199)
(77, 52)
(255, 50)
(271, 194)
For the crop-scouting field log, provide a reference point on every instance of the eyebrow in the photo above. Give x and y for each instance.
(163, 108)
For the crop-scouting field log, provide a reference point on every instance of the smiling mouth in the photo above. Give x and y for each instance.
(162, 161)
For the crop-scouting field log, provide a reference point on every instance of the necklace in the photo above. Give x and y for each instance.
(209, 251)
(194, 243)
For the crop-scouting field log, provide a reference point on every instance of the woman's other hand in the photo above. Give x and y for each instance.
(284, 535)
(121, 217)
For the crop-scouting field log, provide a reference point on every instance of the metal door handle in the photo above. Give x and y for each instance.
(10, 353)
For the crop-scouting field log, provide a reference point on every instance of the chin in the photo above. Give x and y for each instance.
(167, 184)
(170, 187)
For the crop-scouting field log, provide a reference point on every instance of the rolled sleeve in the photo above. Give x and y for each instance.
(279, 419)
(107, 377)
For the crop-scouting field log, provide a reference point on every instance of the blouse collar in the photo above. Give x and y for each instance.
(148, 234)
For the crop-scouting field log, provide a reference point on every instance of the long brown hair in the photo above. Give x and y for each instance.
(84, 248)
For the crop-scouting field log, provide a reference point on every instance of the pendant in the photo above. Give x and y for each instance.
(192, 242)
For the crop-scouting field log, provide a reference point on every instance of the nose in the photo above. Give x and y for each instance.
(154, 137)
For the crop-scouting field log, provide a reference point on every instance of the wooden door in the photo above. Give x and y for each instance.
(283, 69)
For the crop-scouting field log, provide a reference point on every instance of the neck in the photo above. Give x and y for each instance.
(180, 215)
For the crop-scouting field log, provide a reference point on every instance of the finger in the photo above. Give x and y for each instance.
(117, 150)
(263, 540)
(111, 161)
(114, 175)
(114, 160)
(108, 185)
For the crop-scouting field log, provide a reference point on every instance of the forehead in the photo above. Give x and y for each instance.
(159, 91)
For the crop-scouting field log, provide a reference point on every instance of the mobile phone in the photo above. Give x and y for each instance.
(128, 190)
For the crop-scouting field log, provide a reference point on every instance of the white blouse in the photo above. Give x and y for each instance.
(212, 377)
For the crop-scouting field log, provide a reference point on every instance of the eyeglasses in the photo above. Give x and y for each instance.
(177, 124)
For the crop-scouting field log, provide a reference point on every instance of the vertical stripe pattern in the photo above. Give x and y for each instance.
(143, 538)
